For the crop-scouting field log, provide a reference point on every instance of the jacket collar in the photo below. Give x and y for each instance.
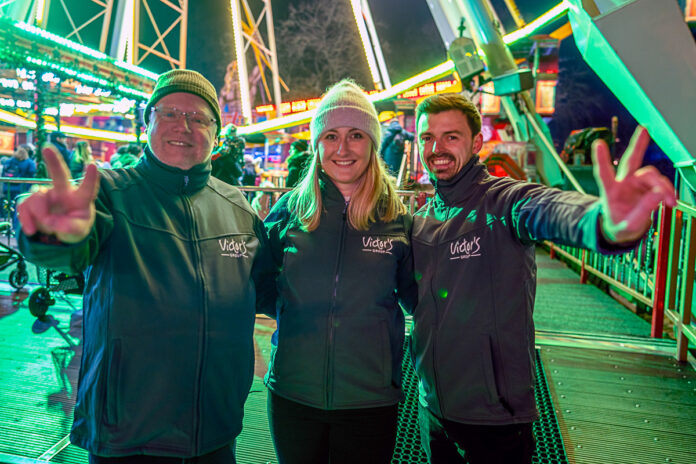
(458, 188)
(171, 179)
(329, 191)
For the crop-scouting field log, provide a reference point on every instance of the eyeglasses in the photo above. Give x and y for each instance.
(169, 114)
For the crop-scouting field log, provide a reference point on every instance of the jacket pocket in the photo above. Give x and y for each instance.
(488, 370)
(386, 353)
(362, 372)
(113, 377)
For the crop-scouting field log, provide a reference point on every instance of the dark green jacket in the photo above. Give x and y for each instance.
(173, 265)
(474, 254)
(340, 327)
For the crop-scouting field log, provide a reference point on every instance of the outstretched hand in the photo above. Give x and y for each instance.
(630, 195)
(62, 210)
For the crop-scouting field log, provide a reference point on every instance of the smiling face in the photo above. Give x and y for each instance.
(446, 143)
(345, 154)
(179, 143)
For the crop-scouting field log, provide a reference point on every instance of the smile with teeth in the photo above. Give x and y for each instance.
(440, 161)
(179, 143)
(344, 162)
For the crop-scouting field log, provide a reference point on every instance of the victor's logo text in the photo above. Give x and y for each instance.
(377, 245)
(233, 248)
(465, 249)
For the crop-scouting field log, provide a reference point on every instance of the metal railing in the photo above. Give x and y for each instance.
(632, 273)
(679, 282)
(659, 272)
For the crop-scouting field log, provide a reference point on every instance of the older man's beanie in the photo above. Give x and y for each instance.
(184, 80)
(345, 105)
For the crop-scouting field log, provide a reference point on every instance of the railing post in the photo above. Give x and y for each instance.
(583, 271)
(552, 251)
(661, 267)
(686, 291)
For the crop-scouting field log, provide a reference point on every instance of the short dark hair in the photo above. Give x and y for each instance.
(451, 101)
(133, 149)
(57, 134)
(300, 145)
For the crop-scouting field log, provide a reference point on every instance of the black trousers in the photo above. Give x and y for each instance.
(448, 442)
(303, 435)
(224, 455)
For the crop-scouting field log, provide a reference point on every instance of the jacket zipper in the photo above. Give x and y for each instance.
(204, 324)
(436, 327)
(329, 351)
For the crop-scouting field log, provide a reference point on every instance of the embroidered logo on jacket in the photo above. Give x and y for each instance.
(465, 249)
(233, 248)
(377, 245)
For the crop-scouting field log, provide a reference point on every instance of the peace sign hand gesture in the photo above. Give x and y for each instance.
(62, 210)
(630, 195)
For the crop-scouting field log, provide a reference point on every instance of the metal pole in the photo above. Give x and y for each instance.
(552, 150)
(182, 33)
(241, 60)
(274, 58)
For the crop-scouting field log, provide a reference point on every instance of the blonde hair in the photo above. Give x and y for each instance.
(83, 152)
(374, 198)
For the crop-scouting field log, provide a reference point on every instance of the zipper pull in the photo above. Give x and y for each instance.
(186, 180)
(345, 209)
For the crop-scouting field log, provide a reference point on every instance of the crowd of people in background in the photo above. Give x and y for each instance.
(229, 164)
(24, 164)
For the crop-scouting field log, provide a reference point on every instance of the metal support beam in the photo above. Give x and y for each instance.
(160, 48)
(247, 35)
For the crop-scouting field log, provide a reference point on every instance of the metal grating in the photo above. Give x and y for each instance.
(549, 443)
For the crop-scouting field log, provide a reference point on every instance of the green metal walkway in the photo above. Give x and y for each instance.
(606, 392)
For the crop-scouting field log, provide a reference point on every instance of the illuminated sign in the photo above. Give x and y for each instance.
(297, 106)
(545, 97)
(490, 104)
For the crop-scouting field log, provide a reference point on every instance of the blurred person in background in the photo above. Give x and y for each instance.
(297, 161)
(81, 157)
(227, 158)
(127, 156)
(21, 165)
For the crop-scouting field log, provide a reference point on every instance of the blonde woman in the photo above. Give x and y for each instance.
(81, 158)
(341, 240)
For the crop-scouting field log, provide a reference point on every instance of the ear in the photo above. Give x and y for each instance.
(477, 143)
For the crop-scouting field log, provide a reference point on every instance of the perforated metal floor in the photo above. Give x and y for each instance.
(549, 443)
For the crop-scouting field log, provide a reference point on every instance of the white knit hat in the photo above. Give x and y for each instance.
(345, 105)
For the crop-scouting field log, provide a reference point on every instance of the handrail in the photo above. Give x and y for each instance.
(549, 146)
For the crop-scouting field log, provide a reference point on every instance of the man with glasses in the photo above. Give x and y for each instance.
(176, 262)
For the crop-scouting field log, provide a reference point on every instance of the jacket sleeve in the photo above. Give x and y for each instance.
(264, 272)
(275, 224)
(568, 218)
(48, 252)
(407, 289)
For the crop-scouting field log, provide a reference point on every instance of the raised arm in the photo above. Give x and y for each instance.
(63, 210)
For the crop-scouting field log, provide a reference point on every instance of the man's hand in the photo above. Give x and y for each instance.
(62, 210)
(630, 195)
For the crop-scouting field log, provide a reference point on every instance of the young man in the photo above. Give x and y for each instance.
(174, 260)
(473, 246)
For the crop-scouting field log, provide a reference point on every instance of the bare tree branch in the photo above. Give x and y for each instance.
(318, 44)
